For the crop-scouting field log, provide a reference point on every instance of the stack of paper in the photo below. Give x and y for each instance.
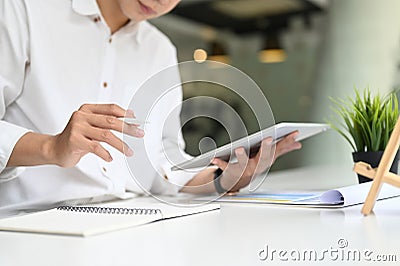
(340, 197)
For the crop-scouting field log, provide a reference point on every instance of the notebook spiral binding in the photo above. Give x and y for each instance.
(110, 210)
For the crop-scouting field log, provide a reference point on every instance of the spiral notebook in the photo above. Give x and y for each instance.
(93, 220)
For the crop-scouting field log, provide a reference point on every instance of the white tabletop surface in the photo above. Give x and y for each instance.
(238, 234)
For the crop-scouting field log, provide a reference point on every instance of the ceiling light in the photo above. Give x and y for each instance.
(272, 56)
(200, 55)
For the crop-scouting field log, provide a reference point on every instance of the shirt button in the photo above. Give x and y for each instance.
(96, 19)
(105, 84)
(104, 169)
(110, 40)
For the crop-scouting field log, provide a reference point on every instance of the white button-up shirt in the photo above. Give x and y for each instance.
(56, 56)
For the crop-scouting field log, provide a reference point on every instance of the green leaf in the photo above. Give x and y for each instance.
(366, 121)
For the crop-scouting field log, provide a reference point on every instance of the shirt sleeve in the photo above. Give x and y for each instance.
(173, 143)
(14, 43)
(173, 151)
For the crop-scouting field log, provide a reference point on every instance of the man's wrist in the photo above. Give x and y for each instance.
(47, 150)
(217, 181)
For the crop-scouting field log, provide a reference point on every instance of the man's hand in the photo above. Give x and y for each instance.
(87, 127)
(239, 174)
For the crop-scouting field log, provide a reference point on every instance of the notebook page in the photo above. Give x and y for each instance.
(63, 222)
(169, 211)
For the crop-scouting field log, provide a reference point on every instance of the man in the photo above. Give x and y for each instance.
(68, 70)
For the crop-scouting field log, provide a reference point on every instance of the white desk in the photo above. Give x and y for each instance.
(233, 236)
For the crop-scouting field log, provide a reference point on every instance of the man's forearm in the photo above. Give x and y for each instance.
(202, 183)
(31, 149)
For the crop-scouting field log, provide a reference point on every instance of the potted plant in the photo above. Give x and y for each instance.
(366, 123)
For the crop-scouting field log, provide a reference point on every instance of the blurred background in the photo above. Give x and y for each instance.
(299, 52)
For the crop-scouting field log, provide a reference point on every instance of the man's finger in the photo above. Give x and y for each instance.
(95, 148)
(288, 148)
(266, 152)
(113, 123)
(242, 158)
(290, 138)
(106, 136)
(220, 163)
(104, 109)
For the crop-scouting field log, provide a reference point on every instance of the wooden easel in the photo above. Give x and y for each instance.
(381, 174)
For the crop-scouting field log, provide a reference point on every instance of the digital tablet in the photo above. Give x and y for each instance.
(252, 143)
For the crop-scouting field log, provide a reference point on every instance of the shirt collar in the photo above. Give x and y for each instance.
(134, 29)
(85, 7)
(91, 8)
